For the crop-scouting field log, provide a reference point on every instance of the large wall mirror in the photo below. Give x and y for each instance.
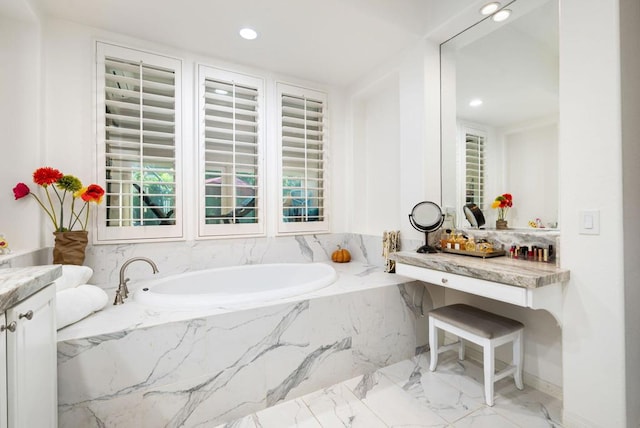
(499, 83)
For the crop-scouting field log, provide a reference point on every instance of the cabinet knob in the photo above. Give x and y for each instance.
(445, 280)
(28, 315)
(11, 327)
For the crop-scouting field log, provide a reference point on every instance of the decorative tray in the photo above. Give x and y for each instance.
(482, 254)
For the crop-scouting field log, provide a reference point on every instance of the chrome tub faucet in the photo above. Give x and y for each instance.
(123, 292)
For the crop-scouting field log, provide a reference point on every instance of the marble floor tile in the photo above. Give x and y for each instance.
(337, 406)
(392, 404)
(294, 413)
(407, 394)
(426, 387)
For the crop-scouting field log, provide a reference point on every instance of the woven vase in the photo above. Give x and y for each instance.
(69, 247)
(501, 224)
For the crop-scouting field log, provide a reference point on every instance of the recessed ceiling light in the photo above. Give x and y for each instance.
(475, 102)
(489, 8)
(501, 15)
(248, 33)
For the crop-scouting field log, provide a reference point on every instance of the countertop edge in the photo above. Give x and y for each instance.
(18, 284)
(515, 273)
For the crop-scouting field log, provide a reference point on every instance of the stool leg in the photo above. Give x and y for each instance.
(518, 359)
(489, 372)
(433, 345)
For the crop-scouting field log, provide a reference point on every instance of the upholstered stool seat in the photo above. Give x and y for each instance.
(482, 328)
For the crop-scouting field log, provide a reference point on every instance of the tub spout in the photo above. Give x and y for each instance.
(123, 292)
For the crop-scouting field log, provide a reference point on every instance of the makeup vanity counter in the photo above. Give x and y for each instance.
(537, 285)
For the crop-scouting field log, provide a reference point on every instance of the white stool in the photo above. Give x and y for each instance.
(482, 328)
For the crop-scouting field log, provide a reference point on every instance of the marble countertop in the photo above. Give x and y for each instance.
(16, 284)
(519, 273)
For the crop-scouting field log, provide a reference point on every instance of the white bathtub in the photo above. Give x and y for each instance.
(232, 285)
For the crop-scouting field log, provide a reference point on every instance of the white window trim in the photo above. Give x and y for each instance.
(230, 230)
(119, 234)
(296, 228)
(461, 195)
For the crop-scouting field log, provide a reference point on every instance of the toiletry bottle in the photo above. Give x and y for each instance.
(444, 238)
(470, 245)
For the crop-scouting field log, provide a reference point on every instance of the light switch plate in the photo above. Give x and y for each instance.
(589, 222)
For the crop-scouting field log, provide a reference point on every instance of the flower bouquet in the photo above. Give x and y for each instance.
(502, 203)
(71, 231)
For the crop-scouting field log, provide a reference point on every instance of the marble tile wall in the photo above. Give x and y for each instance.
(179, 257)
(210, 370)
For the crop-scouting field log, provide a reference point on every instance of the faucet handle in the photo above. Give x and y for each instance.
(125, 289)
(118, 300)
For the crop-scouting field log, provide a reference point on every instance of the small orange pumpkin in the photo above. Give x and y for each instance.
(341, 255)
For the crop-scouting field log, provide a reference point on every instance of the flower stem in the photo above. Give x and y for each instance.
(45, 210)
(77, 218)
(52, 214)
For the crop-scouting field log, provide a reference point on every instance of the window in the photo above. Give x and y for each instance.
(474, 169)
(230, 134)
(302, 132)
(138, 130)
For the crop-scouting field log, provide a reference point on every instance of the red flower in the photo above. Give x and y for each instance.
(46, 175)
(20, 191)
(94, 193)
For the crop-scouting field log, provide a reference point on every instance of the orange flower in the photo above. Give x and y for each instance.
(46, 175)
(93, 193)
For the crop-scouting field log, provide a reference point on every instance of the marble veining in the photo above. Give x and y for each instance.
(519, 273)
(203, 368)
(16, 284)
(408, 394)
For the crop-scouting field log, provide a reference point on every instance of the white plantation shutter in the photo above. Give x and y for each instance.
(139, 144)
(303, 160)
(474, 169)
(230, 132)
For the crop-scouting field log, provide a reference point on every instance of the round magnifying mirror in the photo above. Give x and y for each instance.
(474, 215)
(426, 217)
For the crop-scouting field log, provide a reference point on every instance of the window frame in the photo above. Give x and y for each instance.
(234, 229)
(115, 234)
(303, 227)
(477, 132)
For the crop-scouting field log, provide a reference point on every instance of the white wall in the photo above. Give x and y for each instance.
(20, 117)
(376, 156)
(594, 374)
(531, 169)
(394, 122)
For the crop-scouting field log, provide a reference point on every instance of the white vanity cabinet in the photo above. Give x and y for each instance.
(28, 382)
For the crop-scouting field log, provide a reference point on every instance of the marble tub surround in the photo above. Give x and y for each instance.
(408, 394)
(164, 368)
(16, 284)
(519, 273)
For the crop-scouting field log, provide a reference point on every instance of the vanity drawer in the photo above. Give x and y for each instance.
(493, 290)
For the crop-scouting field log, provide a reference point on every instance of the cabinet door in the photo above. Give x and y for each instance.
(3, 375)
(31, 362)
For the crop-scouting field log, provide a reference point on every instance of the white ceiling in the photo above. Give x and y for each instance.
(327, 41)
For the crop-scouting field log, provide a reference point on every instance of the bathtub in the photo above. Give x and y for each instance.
(131, 365)
(233, 285)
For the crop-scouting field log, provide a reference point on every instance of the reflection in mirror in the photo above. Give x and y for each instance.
(499, 85)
